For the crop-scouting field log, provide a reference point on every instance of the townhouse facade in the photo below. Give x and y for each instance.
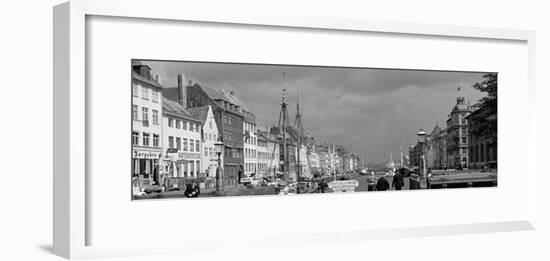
(209, 136)
(313, 158)
(229, 121)
(181, 141)
(250, 143)
(269, 159)
(457, 134)
(146, 127)
(305, 170)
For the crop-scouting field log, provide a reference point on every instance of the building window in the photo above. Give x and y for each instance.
(156, 140)
(198, 129)
(145, 93)
(184, 123)
(197, 146)
(155, 117)
(177, 124)
(206, 152)
(210, 124)
(198, 167)
(184, 144)
(155, 96)
(145, 139)
(135, 138)
(185, 169)
(134, 90)
(191, 145)
(145, 115)
(178, 143)
(170, 123)
(171, 142)
(134, 112)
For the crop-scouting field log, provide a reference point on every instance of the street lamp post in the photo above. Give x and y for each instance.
(422, 161)
(218, 146)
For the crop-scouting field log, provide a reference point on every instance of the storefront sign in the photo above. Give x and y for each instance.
(184, 156)
(189, 156)
(144, 154)
(343, 185)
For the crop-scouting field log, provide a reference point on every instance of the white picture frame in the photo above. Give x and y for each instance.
(70, 129)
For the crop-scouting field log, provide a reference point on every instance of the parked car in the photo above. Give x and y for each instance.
(345, 177)
(289, 189)
(152, 188)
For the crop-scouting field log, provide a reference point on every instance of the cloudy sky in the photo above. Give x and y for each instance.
(369, 111)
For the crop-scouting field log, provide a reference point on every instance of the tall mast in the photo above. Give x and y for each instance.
(363, 159)
(401, 156)
(282, 126)
(285, 149)
(300, 130)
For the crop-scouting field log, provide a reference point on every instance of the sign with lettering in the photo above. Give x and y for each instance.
(146, 154)
(343, 185)
(183, 156)
(172, 150)
(189, 156)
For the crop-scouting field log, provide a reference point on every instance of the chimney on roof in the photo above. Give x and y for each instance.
(157, 78)
(182, 90)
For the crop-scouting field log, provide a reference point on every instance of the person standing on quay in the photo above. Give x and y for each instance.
(322, 186)
(397, 181)
(371, 182)
(382, 184)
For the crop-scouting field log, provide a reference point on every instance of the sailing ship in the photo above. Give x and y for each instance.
(291, 141)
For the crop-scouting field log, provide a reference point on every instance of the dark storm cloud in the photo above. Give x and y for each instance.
(372, 111)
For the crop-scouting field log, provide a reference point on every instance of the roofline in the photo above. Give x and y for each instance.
(164, 112)
(140, 78)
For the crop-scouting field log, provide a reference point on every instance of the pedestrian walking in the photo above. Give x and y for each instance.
(371, 182)
(322, 186)
(382, 184)
(196, 190)
(397, 181)
(188, 190)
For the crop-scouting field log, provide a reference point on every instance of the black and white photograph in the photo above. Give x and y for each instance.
(226, 129)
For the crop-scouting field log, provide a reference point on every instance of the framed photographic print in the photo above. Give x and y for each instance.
(273, 129)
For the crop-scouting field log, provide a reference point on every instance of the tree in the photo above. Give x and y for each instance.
(487, 126)
(489, 86)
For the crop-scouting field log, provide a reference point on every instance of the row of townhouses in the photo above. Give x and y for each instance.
(175, 128)
(465, 142)
(168, 139)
